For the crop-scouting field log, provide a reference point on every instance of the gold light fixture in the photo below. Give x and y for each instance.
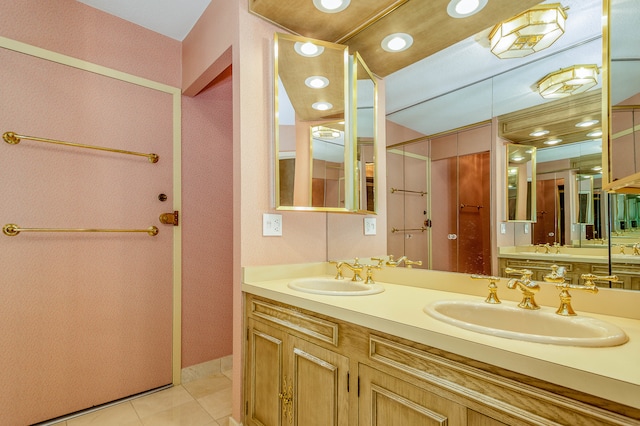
(568, 81)
(529, 32)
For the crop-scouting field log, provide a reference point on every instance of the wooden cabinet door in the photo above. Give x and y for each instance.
(388, 401)
(265, 360)
(477, 419)
(320, 384)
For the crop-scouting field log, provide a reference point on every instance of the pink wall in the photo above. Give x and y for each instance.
(207, 226)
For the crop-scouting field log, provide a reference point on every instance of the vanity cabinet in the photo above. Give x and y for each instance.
(291, 380)
(306, 368)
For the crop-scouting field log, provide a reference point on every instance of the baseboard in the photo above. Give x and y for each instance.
(232, 422)
(222, 365)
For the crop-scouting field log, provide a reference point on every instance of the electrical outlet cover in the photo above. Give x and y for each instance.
(271, 225)
(369, 226)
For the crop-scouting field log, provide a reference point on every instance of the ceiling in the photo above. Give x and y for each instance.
(449, 80)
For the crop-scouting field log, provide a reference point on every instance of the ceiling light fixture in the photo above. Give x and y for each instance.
(539, 133)
(597, 168)
(517, 158)
(308, 49)
(331, 6)
(568, 81)
(322, 106)
(595, 134)
(587, 123)
(552, 141)
(316, 82)
(464, 8)
(397, 42)
(529, 32)
(325, 132)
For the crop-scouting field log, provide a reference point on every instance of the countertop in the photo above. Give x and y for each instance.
(611, 373)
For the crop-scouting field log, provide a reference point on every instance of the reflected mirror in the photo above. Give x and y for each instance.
(366, 173)
(311, 139)
(521, 183)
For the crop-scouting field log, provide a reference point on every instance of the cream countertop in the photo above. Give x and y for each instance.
(569, 254)
(610, 373)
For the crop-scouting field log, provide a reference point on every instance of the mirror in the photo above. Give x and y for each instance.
(521, 183)
(584, 212)
(311, 140)
(465, 85)
(366, 172)
(624, 95)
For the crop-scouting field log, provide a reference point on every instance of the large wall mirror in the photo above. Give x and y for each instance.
(521, 183)
(467, 84)
(365, 135)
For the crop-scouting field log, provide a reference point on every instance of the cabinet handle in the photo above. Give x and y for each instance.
(287, 400)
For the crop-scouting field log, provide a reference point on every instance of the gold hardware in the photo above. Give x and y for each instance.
(14, 139)
(356, 268)
(565, 308)
(421, 229)
(339, 275)
(408, 263)
(170, 218)
(590, 279)
(422, 193)
(12, 230)
(546, 247)
(287, 400)
(370, 268)
(556, 275)
(493, 288)
(636, 249)
(526, 286)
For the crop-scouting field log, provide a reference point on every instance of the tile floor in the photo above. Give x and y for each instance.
(198, 401)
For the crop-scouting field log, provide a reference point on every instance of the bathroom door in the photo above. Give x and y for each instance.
(86, 316)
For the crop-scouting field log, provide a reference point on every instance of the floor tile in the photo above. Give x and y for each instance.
(218, 404)
(208, 385)
(120, 414)
(188, 414)
(161, 401)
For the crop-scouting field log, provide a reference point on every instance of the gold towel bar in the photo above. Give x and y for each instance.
(422, 193)
(14, 139)
(11, 230)
(462, 206)
(421, 229)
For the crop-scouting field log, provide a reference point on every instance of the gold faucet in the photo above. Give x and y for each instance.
(545, 246)
(525, 285)
(408, 263)
(622, 247)
(493, 288)
(357, 268)
(557, 246)
(565, 308)
(636, 249)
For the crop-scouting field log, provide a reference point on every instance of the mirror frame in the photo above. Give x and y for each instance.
(531, 192)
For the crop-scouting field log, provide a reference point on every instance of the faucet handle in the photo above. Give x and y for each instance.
(379, 260)
(339, 275)
(493, 288)
(410, 263)
(526, 273)
(589, 279)
(392, 261)
(370, 268)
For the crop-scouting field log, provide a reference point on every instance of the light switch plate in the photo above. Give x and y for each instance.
(503, 228)
(369, 226)
(526, 228)
(271, 225)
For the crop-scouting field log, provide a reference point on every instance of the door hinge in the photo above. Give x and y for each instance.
(170, 218)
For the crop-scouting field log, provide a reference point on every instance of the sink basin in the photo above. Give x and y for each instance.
(333, 287)
(539, 326)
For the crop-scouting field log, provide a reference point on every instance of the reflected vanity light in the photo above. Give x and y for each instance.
(595, 134)
(397, 42)
(324, 132)
(597, 168)
(331, 6)
(538, 133)
(464, 8)
(529, 32)
(517, 158)
(568, 81)
(553, 141)
(588, 123)
(308, 49)
(316, 82)
(322, 106)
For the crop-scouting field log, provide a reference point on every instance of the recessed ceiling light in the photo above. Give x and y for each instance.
(587, 123)
(321, 106)
(597, 168)
(538, 133)
(308, 49)
(595, 134)
(552, 141)
(464, 8)
(331, 6)
(316, 82)
(517, 158)
(397, 42)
